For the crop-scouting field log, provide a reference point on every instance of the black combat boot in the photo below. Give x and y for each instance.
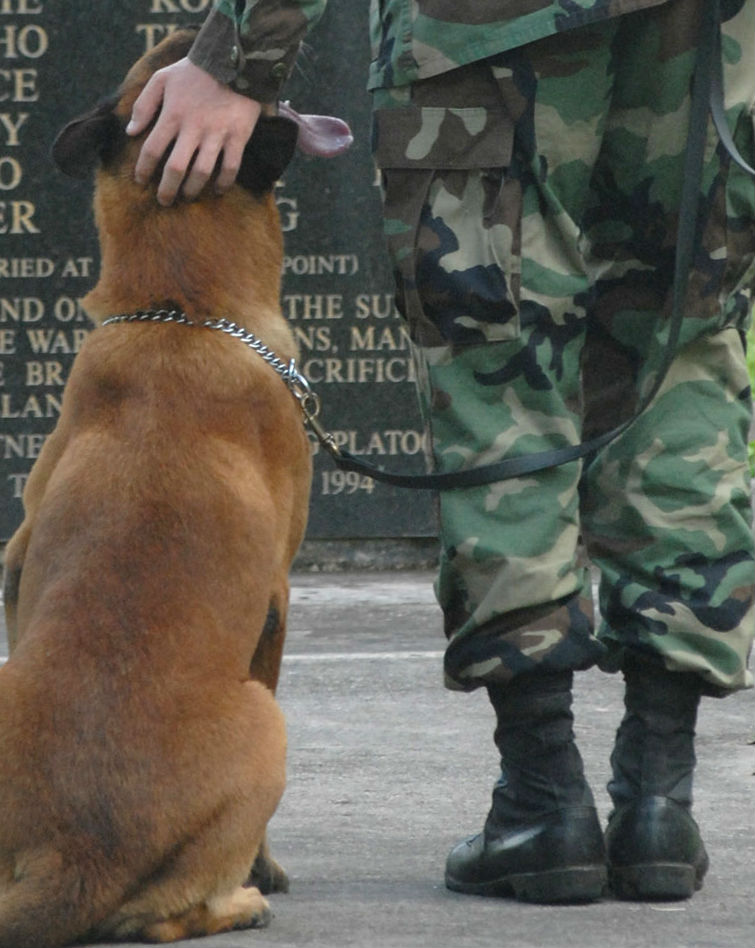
(542, 840)
(653, 844)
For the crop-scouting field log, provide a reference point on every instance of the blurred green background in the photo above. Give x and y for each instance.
(751, 366)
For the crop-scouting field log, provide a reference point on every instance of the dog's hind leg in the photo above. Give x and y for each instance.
(242, 908)
(197, 889)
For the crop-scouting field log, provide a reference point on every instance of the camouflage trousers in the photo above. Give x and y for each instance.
(531, 205)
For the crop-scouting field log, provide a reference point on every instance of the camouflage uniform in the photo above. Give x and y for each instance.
(532, 186)
(252, 44)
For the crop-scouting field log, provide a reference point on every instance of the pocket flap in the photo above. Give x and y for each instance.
(442, 138)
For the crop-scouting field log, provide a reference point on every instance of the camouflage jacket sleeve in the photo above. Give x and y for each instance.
(251, 45)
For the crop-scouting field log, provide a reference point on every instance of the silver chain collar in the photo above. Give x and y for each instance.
(298, 384)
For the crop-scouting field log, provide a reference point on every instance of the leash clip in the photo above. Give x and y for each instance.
(309, 402)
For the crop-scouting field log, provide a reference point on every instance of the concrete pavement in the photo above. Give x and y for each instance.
(387, 770)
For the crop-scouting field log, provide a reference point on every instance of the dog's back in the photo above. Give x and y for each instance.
(142, 749)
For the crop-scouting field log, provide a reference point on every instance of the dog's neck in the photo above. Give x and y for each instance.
(216, 255)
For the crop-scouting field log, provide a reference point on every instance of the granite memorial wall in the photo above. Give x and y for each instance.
(57, 57)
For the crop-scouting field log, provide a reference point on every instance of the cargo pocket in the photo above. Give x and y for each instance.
(452, 221)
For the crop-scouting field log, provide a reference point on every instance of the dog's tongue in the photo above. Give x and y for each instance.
(321, 135)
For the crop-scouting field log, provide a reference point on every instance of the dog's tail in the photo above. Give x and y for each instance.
(46, 907)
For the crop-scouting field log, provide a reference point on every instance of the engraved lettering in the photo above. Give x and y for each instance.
(27, 309)
(44, 373)
(18, 481)
(289, 212)
(33, 406)
(7, 341)
(14, 268)
(177, 6)
(28, 42)
(77, 267)
(25, 446)
(388, 443)
(316, 265)
(67, 309)
(11, 126)
(16, 218)
(359, 370)
(20, 7)
(10, 173)
(375, 338)
(313, 306)
(379, 305)
(18, 85)
(313, 338)
(56, 341)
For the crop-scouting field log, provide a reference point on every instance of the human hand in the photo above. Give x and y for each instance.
(202, 118)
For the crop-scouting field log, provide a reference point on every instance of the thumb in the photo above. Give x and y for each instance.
(146, 105)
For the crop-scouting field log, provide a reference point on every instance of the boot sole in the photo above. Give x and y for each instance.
(572, 884)
(655, 882)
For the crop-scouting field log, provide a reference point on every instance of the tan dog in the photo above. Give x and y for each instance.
(141, 749)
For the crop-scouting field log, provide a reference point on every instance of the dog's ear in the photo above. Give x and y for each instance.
(268, 153)
(93, 138)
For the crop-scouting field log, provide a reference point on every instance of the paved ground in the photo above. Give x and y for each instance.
(387, 770)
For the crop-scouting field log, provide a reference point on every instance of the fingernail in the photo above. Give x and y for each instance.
(131, 127)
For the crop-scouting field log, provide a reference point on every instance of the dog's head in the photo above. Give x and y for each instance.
(98, 137)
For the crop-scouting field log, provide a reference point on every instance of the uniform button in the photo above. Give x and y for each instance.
(279, 71)
(234, 56)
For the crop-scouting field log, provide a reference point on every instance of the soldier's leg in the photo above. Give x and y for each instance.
(501, 333)
(516, 606)
(668, 520)
(667, 510)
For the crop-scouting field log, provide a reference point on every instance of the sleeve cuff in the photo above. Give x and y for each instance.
(258, 74)
(216, 48)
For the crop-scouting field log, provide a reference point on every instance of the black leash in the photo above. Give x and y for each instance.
(707, 95)
(717, 101)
